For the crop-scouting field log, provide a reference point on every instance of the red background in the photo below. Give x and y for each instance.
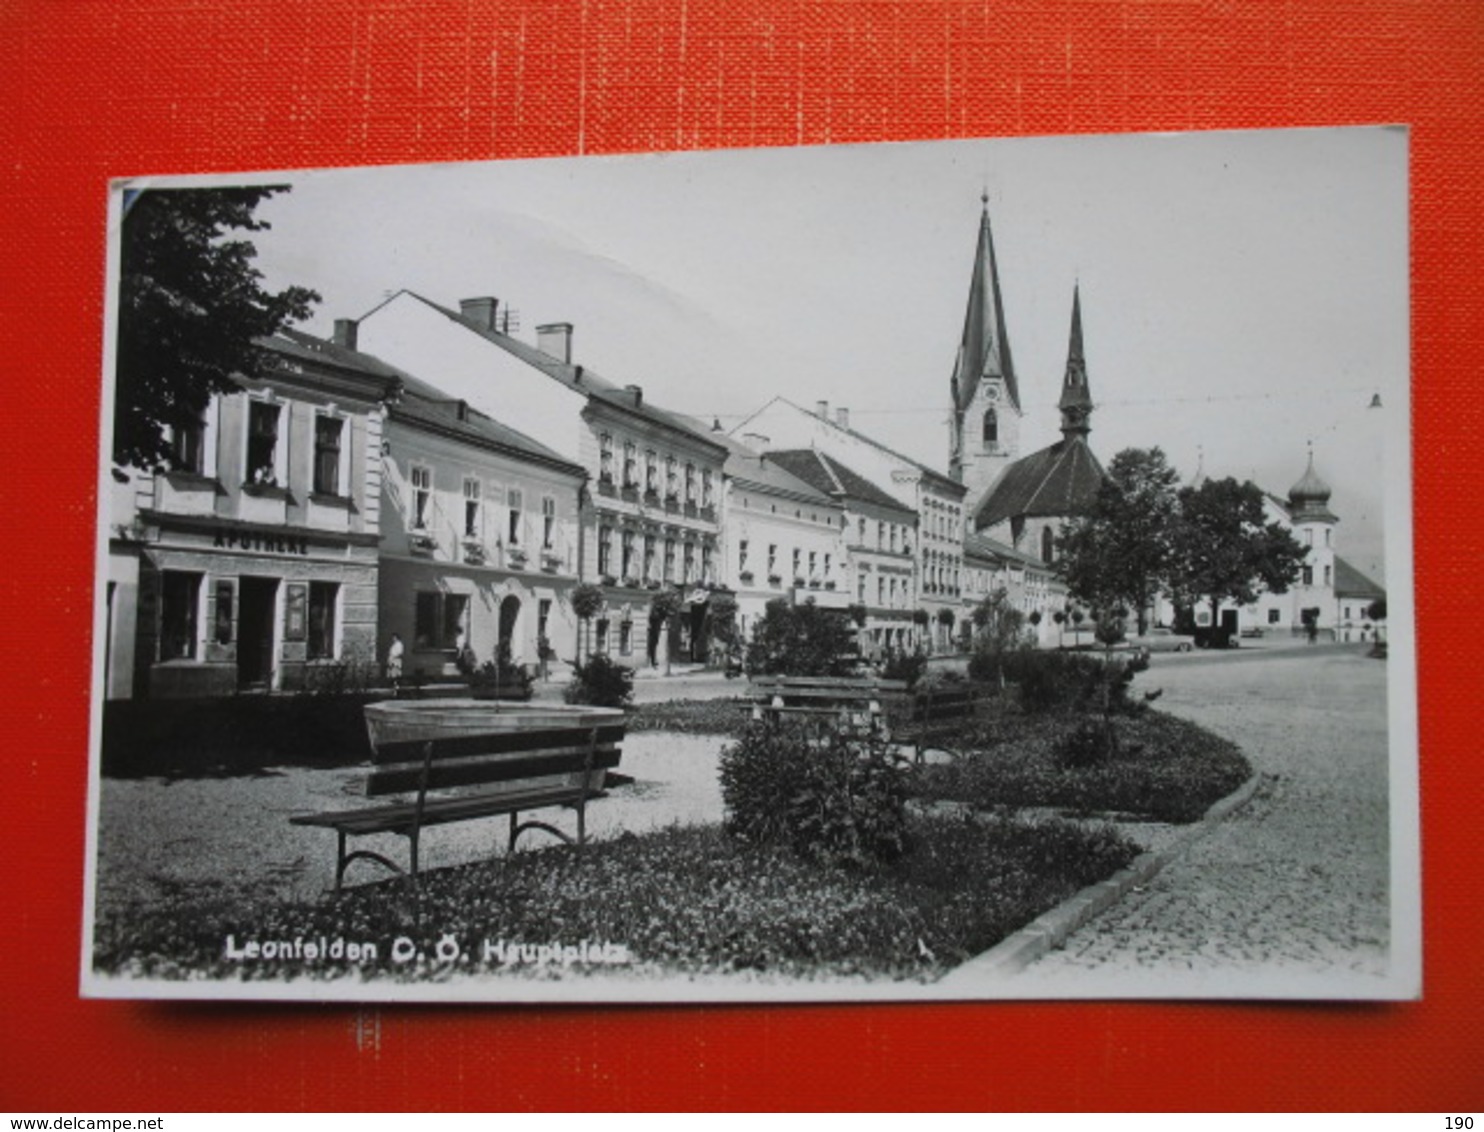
(94, 90)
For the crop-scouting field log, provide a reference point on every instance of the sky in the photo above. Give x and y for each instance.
(1244, 295)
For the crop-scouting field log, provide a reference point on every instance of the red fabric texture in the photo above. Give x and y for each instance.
(94, 90)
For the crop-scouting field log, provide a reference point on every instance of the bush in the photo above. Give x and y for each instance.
(834, 800)
(908, 666)
(1090, 743)
(601, 682)
(800, 640)
(498, 679)
(1071, 681)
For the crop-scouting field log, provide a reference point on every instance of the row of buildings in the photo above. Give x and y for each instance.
(428, 476)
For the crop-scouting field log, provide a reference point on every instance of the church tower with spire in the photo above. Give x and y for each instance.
(984, 437)
(1076, 399)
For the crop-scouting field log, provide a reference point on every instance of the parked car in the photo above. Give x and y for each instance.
(1161, 639)
(1252, 631)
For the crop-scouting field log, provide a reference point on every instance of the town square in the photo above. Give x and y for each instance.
(1000, 551)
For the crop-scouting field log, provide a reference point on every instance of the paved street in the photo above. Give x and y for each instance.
(1292, 886)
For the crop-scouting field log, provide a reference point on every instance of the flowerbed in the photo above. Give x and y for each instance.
(683, 901)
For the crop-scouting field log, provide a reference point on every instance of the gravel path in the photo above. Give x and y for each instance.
(1293, 886)
(232, 835)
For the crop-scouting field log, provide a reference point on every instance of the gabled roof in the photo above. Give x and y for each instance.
(424, 405)
(1350, 582)
(762, 472)
(984, 349)
(828, 475)
(1060, 480)
(939, 479)
(980, 546)
(577, 378)
(289, 343)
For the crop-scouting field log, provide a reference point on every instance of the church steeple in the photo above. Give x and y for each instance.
(985, 428)
(1076, 398)
(984, 350)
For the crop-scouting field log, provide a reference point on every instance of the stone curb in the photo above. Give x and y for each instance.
(1050, 930)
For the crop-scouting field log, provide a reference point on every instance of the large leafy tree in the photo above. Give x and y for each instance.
(1226, 551)
(191, 304)
(800, 640)
(1123, 553)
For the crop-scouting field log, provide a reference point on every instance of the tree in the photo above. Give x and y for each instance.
(799, 640)
(1123, 552)
(724, 625)
(1224, 551)
(664, 607)
(1001, 629)
(191, 306)
(587, 603)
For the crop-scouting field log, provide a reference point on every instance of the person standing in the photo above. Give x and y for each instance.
(394, 660)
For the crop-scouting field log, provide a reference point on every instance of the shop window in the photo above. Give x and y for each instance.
(323, 599)
(548, 522)
(180, 605)
(262, 442)
(473, 504)
(223, 617)
(440, 620)
(328, 434)
(422, 496)
(512, 530)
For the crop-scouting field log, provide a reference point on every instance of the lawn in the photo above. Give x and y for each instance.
(683, 901)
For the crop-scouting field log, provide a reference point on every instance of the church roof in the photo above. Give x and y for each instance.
(828, 475)
(1060, 480)
(983, 547)
(984, 349)
(1350, 582)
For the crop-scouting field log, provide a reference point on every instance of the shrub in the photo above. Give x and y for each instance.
(834, 799)
(1069, 681)
(903, 665)
(601, 682)
(800, 640)
(1090, 743)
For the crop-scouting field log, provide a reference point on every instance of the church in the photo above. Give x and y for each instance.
(1019, 500)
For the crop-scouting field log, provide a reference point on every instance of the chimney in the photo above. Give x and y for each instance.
(345, 332)
(638, 392)
(822, 410)
(555, 340)
(842, 417)
(480, 311)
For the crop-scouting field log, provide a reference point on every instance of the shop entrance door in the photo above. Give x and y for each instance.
(257, 615)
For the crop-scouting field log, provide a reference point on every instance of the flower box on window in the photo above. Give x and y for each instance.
(829, 585)
(652, 584)
(474, 553)
(515, 556)
(814, 583)
(745, 576)
(609, 580)
(775, 579)
(631, 582)
(800, 580)
(421, 542)
(551, 561)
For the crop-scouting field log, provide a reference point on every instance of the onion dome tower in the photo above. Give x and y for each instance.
(1308, 499)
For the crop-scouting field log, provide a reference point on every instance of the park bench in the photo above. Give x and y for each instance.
(447, 761)
(938, 713)
(855, 704)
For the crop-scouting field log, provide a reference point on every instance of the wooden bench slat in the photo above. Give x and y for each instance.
(437, 811)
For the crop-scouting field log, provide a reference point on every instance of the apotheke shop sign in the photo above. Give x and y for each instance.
(280, 542)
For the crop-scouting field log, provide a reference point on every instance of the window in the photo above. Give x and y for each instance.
(826, 567)
(706, 575)
(649, 558)
(651, 473)
(473, 527)
(262, 442)
(798, 563)
(625, 638)
(690, 562)
(441, 620)
(741, 556)
(630, 465)
(605, 551)
(672, 478)
(1048, 544)
(893, 543)
(1309, 536)
(813, 565)
(1326, 536)
(422, 495)
(690, 483)
(605, 458)
(860, 588)
(328, 432)
(1308, 578)
(180, 604)
(188, 447)
(880, 590)
(861, 530)
(627, 539)
(543, 618)
(224, 590)
(1327, 576)
(1274, 615)
(706, 487)
(772, 559)
(513, 502)
(323, 597)
(880, 535)
(669, 560)
(602, 636)
(548, 522)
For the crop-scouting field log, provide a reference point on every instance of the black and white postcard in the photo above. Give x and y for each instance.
(951, 570)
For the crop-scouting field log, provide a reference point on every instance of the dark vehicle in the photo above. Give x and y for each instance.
(1161, 639)
(1216, 637)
